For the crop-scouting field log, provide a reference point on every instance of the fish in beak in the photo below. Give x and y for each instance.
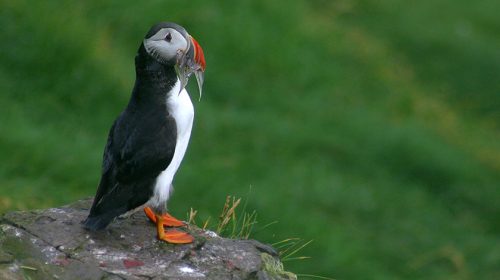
(191, 61)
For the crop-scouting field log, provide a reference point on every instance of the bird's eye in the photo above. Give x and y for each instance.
(168, 38)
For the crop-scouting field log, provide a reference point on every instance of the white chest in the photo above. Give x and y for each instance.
(181, 108)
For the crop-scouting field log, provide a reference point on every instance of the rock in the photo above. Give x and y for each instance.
(51, 244)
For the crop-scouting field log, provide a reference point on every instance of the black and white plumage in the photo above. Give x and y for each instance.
(148, 140)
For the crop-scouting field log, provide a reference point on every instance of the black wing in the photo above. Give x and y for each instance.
(137, 151)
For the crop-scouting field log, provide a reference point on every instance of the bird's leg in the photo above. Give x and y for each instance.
(167, 219)
(171, 235)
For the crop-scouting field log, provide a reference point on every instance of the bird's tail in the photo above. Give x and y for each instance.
(98, 222)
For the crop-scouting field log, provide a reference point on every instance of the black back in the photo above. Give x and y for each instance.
(141, 144)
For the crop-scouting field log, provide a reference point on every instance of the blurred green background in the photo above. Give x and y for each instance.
(371, 127)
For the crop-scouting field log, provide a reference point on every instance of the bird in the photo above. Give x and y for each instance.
(148, 140)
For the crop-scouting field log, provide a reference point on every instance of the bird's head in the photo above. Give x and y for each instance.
(170, 44)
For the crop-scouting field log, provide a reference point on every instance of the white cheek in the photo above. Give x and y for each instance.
(161, 48)
(166, 50)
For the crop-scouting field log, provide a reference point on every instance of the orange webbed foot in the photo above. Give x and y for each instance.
(167, 219)
(176, 236)
(170, 235)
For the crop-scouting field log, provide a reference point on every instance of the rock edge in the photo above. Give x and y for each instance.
(51, 244)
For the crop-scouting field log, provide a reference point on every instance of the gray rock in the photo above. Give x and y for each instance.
(51, 244)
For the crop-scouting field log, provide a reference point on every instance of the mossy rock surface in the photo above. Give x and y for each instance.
(51, 244)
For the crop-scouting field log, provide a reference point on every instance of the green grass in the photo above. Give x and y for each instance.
(370, 127)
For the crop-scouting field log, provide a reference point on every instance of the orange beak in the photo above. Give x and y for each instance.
(199, 57)
(189, 62)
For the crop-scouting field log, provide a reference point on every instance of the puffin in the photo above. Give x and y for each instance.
(148, 140)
